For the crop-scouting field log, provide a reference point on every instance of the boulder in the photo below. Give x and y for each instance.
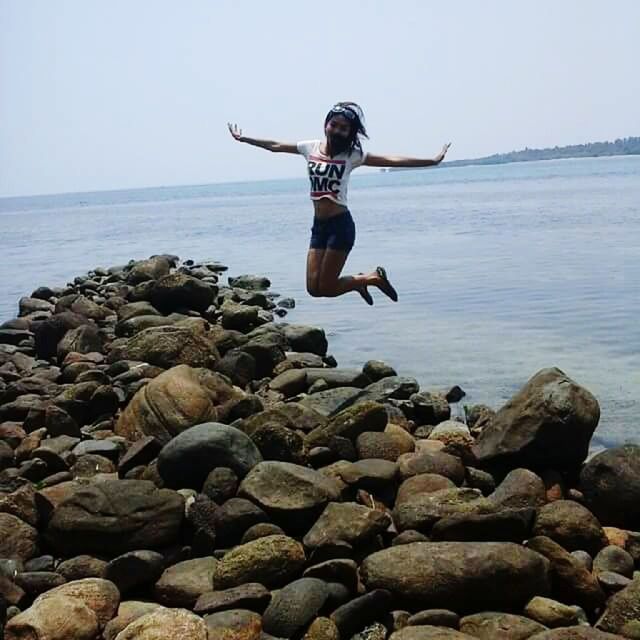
(177, 399)
(548, 423)
(476, 576)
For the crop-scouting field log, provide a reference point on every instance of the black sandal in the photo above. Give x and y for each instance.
(386, 287)
(366, 296)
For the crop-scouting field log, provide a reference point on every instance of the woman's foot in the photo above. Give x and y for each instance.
(385, 286)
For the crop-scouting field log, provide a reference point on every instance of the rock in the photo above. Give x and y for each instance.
(290, 383)
(272, 561)
(235, 624)
(336, 377)
(139, 453)
(48, 333)
(253, 283)
(340, 570)
(82, 567)
(520, 488)
(115, 516)
(187, 460)
(478, 479)
(499, 626)
(428, 632)
(332, 401)
(239, 317)
(610, 482)
(362, 611)
(221, 484)
(294, 607)
(267, 352)
(615, 559)
(17, 538)
(422, 483)
(422, 511)
(436, 462)
(238, 366)
(306, 339)
(572, 583)
(393, 387)
(36, 582)
(622, 607)
(570, 525)
(135, 569)
(612, 582)
(183, 583)
(101, 596)
(554, 614)
(574, 633)
(169, 346)
(385, 446)
(234, 517)
(436, 618)
(376, 370)
(128, 612)
(584, 559)
(430, 408)
(275, 436)
(83, 339)
(322, 629)
(473, 575)
(509, 525)
(59, 618)
(22, 504)
(252, 596)
(261, 530)
(349, 522)
(165, 623)
(151, 269)
(350, 423)
(174, 401)
(176, 291)
(293, 495)
(548, 423)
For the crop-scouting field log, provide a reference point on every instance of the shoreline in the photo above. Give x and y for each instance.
(349, 496)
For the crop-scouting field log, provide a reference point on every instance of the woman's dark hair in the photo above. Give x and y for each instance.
(357, 123)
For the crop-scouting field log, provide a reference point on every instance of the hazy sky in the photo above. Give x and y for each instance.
(120, 93)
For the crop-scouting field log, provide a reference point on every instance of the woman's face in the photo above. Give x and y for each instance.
(338, 126)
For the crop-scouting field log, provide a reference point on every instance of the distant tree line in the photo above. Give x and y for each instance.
(619, 147)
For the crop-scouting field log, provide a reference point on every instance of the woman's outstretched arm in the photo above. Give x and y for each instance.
(372, 160)
(270, 145)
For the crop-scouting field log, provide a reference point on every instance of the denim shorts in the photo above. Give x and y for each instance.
(337, 232)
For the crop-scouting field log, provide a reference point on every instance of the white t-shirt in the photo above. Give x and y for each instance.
(329, 177)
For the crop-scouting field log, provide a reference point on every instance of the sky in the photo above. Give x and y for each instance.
(98, 95)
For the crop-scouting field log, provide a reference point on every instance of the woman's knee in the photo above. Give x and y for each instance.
(313, 289)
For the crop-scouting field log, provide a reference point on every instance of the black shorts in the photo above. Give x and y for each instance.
(337, 232)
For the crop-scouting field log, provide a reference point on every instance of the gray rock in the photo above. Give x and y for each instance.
(610, 482)
(115, 516)
(294, 607)
(292, 494)
(252, 596)
(183, 583)
(548, 423)
(187, 460)
(473, 575)
(349, 522)
(135, 569)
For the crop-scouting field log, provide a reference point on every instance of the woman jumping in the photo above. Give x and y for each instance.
(329, 163)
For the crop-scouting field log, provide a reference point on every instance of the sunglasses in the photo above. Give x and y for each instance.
(344, 111)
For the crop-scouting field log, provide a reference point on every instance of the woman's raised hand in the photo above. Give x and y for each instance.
(235, 131)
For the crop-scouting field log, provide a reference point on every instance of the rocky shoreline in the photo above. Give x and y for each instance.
(177, 461)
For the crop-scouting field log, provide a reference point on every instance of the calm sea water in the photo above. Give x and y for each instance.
(501, 270)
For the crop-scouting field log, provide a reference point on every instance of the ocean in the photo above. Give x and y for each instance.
(501, 270)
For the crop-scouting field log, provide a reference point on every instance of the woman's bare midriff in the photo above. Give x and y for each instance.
(326, 208)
